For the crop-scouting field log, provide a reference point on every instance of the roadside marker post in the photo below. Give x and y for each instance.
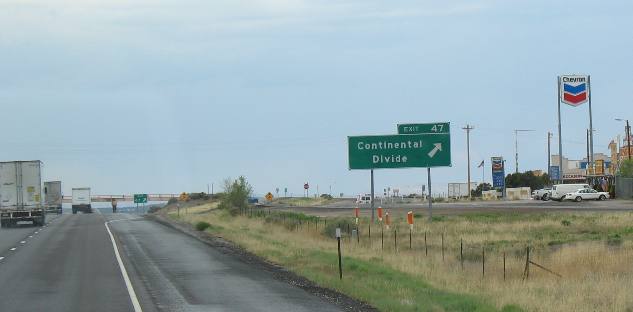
(410, 221)
(382, 238)
(357, 214)
(340, 264)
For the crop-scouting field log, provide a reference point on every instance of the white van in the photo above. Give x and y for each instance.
(363, 199)
(560, 190)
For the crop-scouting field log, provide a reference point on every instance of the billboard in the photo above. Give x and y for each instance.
(498, 172)
(574, 89)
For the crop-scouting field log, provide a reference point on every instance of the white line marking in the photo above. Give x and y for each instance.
(13, 249)
(30, 236)
(1, 258)
(126, 278)
(23, 242)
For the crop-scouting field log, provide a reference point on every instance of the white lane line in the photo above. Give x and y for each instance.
(126, 278)
(23, 242)
(13, 249)
(1, 258)
(30, 236)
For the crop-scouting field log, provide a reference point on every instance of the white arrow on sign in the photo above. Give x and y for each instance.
(437, 148)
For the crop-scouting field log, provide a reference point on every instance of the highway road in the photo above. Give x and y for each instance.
(71, 265)
(344, 207)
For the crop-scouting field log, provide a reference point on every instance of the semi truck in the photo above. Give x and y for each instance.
(21, 193)
(53, 196)
(81, 200)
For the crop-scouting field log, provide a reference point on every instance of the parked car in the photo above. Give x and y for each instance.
(542, 194)
(586, 194)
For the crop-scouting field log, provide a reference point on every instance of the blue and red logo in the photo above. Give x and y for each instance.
(575, 90)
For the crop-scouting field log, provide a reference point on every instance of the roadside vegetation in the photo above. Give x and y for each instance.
(584, 258)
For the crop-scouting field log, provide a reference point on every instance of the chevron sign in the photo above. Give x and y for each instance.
(574, 89)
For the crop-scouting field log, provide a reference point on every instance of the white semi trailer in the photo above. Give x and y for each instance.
(21, 193)
(53, 196)
(81, 200)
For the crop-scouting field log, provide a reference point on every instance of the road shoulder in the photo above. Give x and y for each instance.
(344, 302)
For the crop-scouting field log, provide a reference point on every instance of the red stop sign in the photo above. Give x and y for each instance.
(306, 186)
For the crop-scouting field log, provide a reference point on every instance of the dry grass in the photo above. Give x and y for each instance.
(596, 276)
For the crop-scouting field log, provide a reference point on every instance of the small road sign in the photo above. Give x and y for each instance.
(269, 196)
(437, 127)
(306, 186)
(140, 198)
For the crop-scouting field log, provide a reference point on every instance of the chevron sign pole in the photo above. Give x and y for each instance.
(575, 90)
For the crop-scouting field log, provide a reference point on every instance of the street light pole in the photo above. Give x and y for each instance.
(516, 147)
(468, 128)
(627, 130)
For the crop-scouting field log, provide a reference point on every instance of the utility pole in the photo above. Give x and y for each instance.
(468, 128)
(549, 154)
(627, 130)
(516, 147)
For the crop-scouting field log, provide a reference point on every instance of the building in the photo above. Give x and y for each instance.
(577, 169)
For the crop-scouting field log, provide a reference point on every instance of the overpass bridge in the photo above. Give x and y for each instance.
(123, 198)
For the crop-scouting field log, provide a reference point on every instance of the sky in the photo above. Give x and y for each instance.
(158, 96)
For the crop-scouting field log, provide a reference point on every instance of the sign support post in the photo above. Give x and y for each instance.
(372, 195)
(428, 171)
(590, 160)
(561, 170)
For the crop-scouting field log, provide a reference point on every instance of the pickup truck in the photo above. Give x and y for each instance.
(542, 194)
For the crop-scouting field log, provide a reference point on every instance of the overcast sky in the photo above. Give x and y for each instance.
(166, 96)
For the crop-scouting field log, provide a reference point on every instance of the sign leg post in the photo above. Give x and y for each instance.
(372, 195)
(430, 198)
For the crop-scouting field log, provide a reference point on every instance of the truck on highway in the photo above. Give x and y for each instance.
(53, 196)
(21, 193)
(81, 200)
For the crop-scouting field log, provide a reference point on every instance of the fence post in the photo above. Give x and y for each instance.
(442, 246)
(504, 266)
(395, 239)
(340, 265)
(461, 252)
(382, 237)
(526, 272)
(426, 247)
(483, 262)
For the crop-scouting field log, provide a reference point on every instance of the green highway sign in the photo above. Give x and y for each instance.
(438, 127)
(399, 151)
(140, 198)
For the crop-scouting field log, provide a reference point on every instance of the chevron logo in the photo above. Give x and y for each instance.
(575, 90)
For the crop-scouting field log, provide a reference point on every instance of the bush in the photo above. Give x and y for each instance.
(196, 196)
(343, 223)
(236, 194)
(614, 240)
(565, 223)
(201, 226)
(290, 219)
(326, 196)
(172, 201)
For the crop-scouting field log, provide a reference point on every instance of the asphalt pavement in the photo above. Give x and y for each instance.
(71, 265)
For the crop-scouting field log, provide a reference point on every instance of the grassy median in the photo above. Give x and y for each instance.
(584, 258)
